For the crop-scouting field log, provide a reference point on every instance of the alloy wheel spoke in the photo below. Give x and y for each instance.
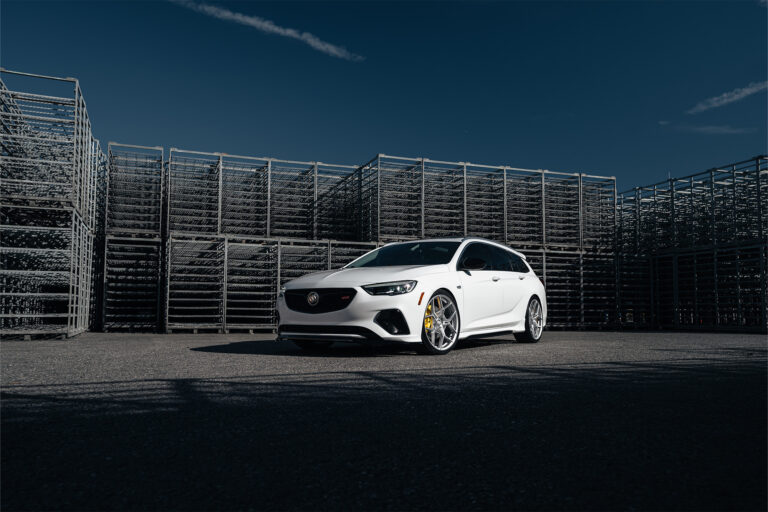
(444, 322)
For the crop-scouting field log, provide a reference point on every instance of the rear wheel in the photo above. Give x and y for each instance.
(534, 322)
(440, 330)
(313, 346)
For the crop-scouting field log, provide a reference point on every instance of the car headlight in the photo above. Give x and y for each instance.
(393, 288)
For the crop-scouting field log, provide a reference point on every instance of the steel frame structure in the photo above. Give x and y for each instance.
(228, 283)
(238, 226)
(220, 194)
(693, 251)
(203, 240)
(410, 198)
(50, 168)
(133, 244)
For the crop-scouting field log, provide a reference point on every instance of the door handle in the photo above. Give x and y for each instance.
(495, 278)
(521, 277)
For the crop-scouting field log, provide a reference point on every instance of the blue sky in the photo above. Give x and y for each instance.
(609, 88)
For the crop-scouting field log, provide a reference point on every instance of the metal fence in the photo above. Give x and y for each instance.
(692, 251)
(50, 171)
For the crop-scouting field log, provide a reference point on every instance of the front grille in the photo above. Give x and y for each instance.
(330, 299)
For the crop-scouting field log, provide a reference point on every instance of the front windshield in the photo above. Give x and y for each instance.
(410, 253)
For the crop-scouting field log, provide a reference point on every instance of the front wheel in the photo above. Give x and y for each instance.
(534, 322)
(441, 324)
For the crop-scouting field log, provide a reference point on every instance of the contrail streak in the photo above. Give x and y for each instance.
(270, 27)
(729, 97)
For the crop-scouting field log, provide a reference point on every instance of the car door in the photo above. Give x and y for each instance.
(516, 289)
(481, 288)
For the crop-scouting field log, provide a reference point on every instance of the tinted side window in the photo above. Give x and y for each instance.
(480, 251)
(501, 260)
(518, 265)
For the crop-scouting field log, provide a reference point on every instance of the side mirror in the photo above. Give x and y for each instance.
(473, 264)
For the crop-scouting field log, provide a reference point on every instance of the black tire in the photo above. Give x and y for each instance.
(427, 347)
(529, 335)
(313, 346)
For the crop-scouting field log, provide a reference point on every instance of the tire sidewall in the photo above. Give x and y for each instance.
(528, 329)
(428, 346)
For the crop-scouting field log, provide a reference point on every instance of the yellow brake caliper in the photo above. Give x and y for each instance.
(428, 317)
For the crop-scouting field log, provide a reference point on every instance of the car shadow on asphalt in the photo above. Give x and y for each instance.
(337, 350)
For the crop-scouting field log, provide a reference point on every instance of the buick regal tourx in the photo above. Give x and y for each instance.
(433, 292)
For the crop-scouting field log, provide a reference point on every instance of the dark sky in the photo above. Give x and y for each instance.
(599, 87)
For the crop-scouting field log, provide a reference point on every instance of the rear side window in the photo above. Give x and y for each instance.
(507, 261)
(501, 260)
(518, 265)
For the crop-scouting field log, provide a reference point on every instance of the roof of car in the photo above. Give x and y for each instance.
(460, 239)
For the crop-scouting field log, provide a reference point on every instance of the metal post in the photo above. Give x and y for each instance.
(581, 289)
(423, 230)
(759, 202)
(314, 204)
(71, 306)
(279, 257)
(637, 217)
(329, 255)
(763, 251)
(543, 212)
(618, 237)
(224, 286)
(581, 216)
(465, 198)
(169, 267)
(221, 179)
(713, 235)
(673, 216)
(378, 198)
(269, 196)
(504, 199)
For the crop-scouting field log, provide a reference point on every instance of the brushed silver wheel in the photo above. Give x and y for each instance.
(441, 324)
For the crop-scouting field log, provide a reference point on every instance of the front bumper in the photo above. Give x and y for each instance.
(355, 322)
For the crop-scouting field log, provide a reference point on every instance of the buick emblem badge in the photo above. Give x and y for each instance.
(313, 298)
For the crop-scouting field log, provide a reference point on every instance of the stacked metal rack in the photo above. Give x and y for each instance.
(240, 226)
(49, 170)
(693, 250)
(132, 260)
(564, 222)
(229, 283)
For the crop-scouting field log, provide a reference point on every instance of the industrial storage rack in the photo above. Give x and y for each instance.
(204, 240)
(132, 261)
(220, 194)
(692, 250)
(50, 166)
(565, 223)
(230, 283)
(238, 226)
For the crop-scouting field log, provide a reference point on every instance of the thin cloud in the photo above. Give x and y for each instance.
(270, 27)
(729, 97)
(714, 129)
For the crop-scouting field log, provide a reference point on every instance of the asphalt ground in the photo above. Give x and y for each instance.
(579, 421)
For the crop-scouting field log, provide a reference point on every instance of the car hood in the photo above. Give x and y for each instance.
(363, 275)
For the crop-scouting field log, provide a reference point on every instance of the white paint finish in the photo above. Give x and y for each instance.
(485, 305)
